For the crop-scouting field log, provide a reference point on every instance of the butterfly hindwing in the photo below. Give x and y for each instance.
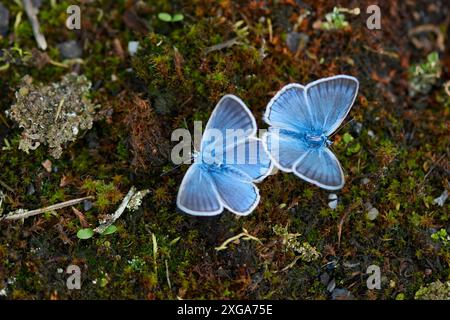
(320, 167)
(197, 194)
(284, 149)
(236, 190)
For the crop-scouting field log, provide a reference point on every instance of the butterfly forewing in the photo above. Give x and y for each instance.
(289, 109)
(331, 99)
(236, 190)
(230, 117)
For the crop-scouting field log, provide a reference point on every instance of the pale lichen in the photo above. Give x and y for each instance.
(303, 250)
(54, 114)
(434, 291)
(136, 200)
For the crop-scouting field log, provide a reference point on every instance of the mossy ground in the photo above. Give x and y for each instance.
(402, 156)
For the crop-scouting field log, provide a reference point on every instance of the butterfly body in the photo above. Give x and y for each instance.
(310, 139)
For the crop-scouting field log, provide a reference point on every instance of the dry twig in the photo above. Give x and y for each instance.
(22, 214)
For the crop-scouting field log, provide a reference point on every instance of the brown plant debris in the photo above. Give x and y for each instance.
(149, 146)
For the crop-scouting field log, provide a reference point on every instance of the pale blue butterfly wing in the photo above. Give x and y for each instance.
(284, 148)
(320, 167)
(236, 190)
(231, 113)
(311, 113)
(229, 163)
(197, 194)
(249, 157)
(330, 100)
(289, 109)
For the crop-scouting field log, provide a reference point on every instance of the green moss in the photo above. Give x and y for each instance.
(392, 162)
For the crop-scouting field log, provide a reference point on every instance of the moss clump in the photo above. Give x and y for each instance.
(182, 67)
(434, 291)
(53, 114)
(422, 77)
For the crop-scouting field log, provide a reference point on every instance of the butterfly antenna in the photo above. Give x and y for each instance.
(342, 127)
(332, 148)
(174, 168)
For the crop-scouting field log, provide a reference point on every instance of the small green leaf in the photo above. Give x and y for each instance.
(177, 17)
(354, 149)
(347, 138)
(164, 17)
(400, 296)
(110, 230)
(85, 233)
(433, 57)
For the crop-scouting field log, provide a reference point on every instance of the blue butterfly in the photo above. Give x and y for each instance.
(301, 119)
(230, 160)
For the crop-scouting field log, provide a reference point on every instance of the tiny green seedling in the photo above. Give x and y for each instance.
(167, 17)
(352, 147)
(441, 236)
(85, 233)
(88, 233)
(422, 77)
(336, 19)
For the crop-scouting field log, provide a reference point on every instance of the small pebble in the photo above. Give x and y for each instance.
(70, 49)
(47, 164)
(133, 47)
(341, 294)
(325, 278)
(30, 189)
(4, 20)
(296, 41)
(356, 128)
(331, 285)
(372, 214)
(87, 205)
(365, 181)
(331, 265)
(333, 203)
